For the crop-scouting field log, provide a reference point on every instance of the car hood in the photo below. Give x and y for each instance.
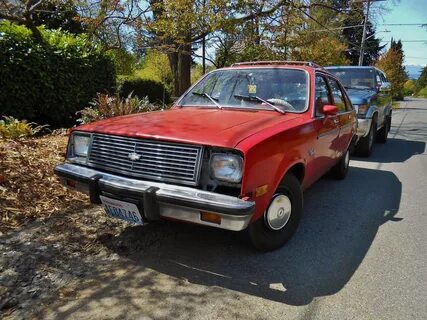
(360, 96)
(223, 128)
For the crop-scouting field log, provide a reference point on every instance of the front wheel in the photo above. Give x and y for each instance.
(365, 144)
(383, 132)
(281, 218)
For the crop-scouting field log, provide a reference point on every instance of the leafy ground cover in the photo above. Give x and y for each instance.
(28, 186)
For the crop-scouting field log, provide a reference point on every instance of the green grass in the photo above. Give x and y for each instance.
(395, 105)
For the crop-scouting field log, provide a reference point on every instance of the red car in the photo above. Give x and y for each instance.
(235, 152)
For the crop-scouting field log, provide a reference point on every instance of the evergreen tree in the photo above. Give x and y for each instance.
(353, 36)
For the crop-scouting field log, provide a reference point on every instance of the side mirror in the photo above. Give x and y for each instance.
(385, 87)
(329, 110)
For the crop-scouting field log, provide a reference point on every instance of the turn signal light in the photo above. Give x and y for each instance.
(210, 217)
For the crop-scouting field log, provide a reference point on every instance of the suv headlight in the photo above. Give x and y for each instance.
(226, 167)
(79, 145)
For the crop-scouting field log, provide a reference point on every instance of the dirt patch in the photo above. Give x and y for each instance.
(41, 259)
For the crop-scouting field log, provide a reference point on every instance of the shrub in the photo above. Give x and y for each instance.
(155, 66)
(423, 92)
(49, 81)
(154, 90)
(409, 88)
(11, 128)
(124, 62)
(106, 106)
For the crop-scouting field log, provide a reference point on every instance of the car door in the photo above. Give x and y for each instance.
(346, 115)
(386, 89)
(327, 127)
(381, 98)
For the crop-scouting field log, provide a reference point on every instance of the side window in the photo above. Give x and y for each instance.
(337, 95)
(379, 78)
(322, 95)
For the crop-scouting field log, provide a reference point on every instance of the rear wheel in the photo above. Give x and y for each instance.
(281, 218)
(340, 170)
(365, 144)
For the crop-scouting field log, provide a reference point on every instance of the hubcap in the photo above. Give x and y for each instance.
(278, 213)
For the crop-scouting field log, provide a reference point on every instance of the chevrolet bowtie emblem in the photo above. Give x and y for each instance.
(134, 156)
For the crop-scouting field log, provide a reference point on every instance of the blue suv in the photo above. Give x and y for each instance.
(369, 92)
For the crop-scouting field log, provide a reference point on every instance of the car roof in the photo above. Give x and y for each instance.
(351, 67)
(304, 65)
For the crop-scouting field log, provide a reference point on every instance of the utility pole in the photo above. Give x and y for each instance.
(204, 44)
(362, 45)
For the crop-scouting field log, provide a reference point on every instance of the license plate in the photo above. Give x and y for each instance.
(122, 210)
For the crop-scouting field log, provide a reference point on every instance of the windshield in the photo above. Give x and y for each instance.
(264, 88)
(355, 78)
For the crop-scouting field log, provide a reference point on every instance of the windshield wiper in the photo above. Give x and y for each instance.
(204, 94)
(256, 98)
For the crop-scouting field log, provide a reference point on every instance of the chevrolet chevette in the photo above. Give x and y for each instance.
(236, 151)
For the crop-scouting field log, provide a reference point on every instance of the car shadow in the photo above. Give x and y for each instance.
(396, 150)
(340, 222)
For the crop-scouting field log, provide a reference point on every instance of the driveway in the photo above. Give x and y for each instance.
(360, 253)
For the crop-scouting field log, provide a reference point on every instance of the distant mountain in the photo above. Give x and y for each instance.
(413, 71)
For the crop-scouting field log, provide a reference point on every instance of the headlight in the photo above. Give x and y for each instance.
(362, 109)
(80, 145)
(226, 167)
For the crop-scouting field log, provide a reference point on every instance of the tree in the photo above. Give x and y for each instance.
(326, 51)
(422, 80)
(392, 64)
(58, 15)
(353, 35)
(409, 87)
(21, 12)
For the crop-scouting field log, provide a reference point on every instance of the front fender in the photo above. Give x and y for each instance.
(268, 160)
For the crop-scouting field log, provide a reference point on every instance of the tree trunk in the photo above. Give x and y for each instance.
(180, 63)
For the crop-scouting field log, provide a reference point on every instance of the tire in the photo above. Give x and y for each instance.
(266, 233)
(365, 145)
(340, 170)
(383, 132)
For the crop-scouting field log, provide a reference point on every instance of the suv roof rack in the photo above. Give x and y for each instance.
(279, 62)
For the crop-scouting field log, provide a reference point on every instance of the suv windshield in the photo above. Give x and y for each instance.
(262, 88)
(363, 78)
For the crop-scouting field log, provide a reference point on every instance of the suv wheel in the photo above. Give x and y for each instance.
(280, 219)
(339, 171)
(383, 132)
(365, 145)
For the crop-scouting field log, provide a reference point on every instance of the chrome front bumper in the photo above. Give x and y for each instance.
(159, 200)
(363, 126)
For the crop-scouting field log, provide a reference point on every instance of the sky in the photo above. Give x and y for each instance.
(406, 11)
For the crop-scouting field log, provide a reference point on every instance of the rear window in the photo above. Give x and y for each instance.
(355, 78)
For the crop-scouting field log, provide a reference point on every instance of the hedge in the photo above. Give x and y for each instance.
(154, 90)
(48, 81)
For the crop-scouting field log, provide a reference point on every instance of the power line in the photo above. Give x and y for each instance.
(403, 24)
(407, 41)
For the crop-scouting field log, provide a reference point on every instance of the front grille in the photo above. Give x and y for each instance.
(162, 161)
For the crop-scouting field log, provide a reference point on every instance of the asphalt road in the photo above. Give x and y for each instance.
(360, 253)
